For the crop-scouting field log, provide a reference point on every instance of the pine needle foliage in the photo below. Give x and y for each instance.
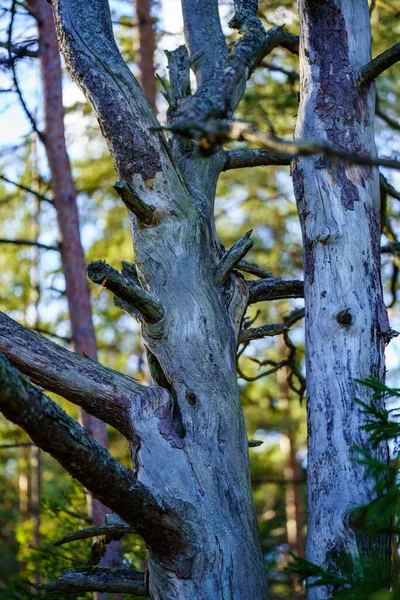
(382, 515)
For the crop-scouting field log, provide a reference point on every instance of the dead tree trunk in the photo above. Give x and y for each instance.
(346, 320)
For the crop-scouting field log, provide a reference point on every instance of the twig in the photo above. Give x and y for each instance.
(16, 445)
(14, 74)
(379, 64)
(388, 188)
(29, 243)
(27, 189)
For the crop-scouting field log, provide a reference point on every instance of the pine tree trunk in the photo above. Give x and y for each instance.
(72, 255)
(346, 320)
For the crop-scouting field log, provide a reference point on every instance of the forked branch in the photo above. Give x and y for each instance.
(85, 459)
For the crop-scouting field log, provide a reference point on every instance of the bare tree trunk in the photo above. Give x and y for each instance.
(72, 255)
(147, 47)
(346, 320)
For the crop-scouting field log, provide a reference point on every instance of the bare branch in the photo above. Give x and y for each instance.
(16, 445)
(217, 132)
(247, 267)
(388, 120)
(93, 60)
(239, 159)
(113, 532)
(391, 248)
(227, 89)
(274, 289)
(14, 73)
(179, 72)
(256, 333)
(27, 189)
(131, 293)
(118, 581)
(102, 392)
(29, 243)
(232, 257)
(379, 64)
(388, 188)
(85, 459)
(129, 197)
(292, 75)
(204, 38)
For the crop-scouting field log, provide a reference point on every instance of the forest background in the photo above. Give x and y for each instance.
(39, 502)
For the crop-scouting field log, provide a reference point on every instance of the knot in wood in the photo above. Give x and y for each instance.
(344, 317)
(191, 397)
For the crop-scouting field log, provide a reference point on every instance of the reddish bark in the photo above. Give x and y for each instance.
(146, 50)
(64, 193)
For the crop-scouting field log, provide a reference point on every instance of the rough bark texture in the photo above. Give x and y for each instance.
(191, 451)
(346, 321)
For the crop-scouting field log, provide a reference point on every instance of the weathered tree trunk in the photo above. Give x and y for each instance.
(346, 320)
(190, 444)
(72, 255)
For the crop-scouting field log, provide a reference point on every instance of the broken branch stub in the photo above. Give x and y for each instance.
(103, 274)
(232, 257)
(129, 197)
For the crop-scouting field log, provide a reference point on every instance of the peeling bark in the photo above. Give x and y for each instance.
(346, 321)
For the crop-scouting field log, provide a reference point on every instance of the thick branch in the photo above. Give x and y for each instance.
(118, 581)
(204, 38)
(85, 459)
(274, 289)
(102, 392)
(379, 64)
(133, 294)
(238, 159)
(232, 257)
(93, 60)
(256, 333)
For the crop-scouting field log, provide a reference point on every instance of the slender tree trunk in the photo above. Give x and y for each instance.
(346, 320)
(72, 255)
(147, 47)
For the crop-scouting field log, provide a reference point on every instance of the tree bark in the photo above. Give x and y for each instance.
(191, 452)
(346, 320)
